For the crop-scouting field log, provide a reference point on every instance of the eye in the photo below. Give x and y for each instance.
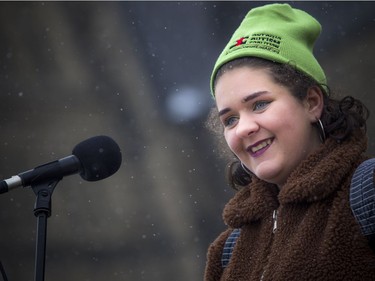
(229, 121)
(260, 105)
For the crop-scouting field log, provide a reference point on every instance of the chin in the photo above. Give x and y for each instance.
(269, 176)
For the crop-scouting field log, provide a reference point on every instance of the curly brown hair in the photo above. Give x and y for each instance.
(340, 117)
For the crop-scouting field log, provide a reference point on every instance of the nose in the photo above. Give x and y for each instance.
(246, 126)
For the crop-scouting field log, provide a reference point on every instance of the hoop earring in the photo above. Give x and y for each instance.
(322, 133)
(246, 169)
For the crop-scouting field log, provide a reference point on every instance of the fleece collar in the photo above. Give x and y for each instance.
(315, 179)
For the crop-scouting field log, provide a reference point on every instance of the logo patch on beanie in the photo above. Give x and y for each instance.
(241, 41)
(262, 41)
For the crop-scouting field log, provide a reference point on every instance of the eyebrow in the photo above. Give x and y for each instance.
(244, 100)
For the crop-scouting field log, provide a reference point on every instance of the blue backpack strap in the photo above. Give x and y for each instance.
(229, 246)
(362, 197)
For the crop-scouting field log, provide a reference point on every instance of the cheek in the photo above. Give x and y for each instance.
(232, 141)
(285, 120)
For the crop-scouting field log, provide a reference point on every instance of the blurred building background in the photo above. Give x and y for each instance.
(139, 73)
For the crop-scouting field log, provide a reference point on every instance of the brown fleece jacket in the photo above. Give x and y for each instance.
(317, 236)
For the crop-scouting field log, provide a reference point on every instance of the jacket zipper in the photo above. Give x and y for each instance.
(274, 228)
(274, 216)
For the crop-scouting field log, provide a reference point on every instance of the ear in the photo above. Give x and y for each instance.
(314, 102)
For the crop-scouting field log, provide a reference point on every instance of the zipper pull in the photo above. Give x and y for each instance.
(274, 216)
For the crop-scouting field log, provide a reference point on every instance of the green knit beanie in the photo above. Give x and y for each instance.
(278, 33)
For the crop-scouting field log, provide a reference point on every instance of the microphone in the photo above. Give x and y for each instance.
(362, 197)
(94, 159)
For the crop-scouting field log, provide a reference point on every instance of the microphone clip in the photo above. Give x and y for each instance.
(43, 192)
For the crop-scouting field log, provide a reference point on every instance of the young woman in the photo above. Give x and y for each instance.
(296, 149)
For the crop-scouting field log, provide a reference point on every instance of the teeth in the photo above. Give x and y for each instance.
(261, 145)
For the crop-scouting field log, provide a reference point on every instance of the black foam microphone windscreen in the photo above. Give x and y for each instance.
(100, 157)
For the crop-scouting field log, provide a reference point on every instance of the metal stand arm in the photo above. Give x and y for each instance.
(42, 211)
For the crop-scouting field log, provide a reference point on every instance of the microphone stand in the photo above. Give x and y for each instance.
(42, 211)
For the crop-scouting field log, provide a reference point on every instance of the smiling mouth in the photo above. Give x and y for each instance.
(260, 147)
